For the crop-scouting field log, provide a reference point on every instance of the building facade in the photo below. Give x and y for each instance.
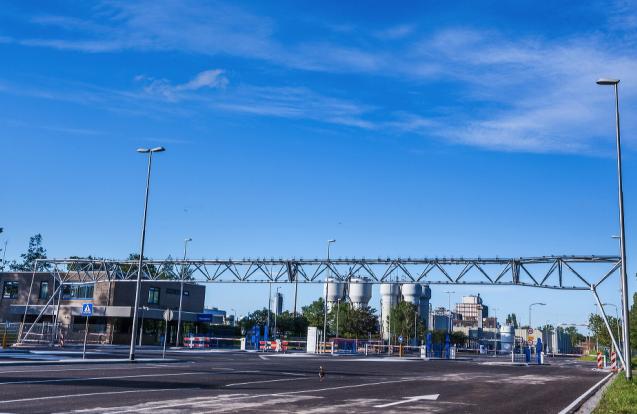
(30, 298)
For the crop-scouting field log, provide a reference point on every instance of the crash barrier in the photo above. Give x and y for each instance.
(202, 342)
(276, 346)
(197, 342)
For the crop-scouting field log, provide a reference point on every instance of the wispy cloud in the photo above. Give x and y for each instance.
(209, 79)
(509, 93)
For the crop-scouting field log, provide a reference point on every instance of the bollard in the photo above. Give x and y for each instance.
(366, 345)
(600, 361)
(512, 356)
(542, 358)
(613, 361)
(605, 366)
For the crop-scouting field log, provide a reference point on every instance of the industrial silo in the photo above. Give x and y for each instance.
(335, 291)
(389, 295)
(411, 293)
(360, 292)
(507, 338)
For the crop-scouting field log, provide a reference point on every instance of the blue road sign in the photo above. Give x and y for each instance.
(87, 309)
(400, 339)
(204, 317)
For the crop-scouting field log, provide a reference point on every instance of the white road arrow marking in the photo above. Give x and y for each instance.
(432, 397)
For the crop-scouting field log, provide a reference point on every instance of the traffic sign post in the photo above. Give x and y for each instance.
(168, 316)
(87, 311)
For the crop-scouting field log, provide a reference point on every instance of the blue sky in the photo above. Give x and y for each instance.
(416, 129)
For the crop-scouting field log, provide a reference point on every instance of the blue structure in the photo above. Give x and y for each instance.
(538, 351)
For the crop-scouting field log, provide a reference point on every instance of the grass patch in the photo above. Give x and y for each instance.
(589, 358)
(619, 397)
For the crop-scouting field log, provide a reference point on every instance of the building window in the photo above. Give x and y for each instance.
(153, 296)
(77, 291)
(44, 290)
(176, 292)
(10, 290)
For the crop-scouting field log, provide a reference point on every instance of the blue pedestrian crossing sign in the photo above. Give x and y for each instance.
(87, 309)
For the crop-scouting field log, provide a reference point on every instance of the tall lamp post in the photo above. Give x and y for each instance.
(181, 290)
(622, 233)
(450, 316)
(329, 243)
(138, 283)
(531, 307)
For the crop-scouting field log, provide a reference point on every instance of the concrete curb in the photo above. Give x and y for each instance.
(87, 361)
(599, 387)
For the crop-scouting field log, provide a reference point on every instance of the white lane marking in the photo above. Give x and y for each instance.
(83, 369)
(264, 381)
(185, 401)
(432, 397)
(98, 378)
(263, 358)
(89, 394)
(588, 391)
(294, 374)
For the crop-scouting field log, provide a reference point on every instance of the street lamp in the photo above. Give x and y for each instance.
(181, 290)
(138, 283)
(329, 242)
(622, 232)
(530, 307)
(450, 317)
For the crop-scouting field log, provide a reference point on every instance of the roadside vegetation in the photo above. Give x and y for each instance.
(620, 396)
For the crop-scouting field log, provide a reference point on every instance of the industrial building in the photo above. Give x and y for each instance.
(30, 296)
(472, 310)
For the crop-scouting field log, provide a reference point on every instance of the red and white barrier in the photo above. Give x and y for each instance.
(613, 361)
(600, 361)
(197, 342)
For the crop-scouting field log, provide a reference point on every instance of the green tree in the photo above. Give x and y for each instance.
(353, 322)
(34, 252)
(599, 330)
(313, 313)
(512, 319)
(402, 318)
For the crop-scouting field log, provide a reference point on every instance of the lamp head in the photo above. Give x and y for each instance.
(605, 81)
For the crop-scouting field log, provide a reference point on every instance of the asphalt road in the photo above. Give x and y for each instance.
(248, 382)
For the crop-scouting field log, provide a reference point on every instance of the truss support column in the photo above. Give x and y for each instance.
(610, 331)
(21, 339)
(26, 308)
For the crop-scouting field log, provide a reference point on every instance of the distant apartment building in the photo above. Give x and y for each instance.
(29, 296)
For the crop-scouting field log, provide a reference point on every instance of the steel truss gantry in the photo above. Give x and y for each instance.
(574, 273)
(552, 272)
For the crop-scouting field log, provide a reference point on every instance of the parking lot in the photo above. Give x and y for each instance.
(255, 382)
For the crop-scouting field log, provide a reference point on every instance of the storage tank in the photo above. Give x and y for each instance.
(360, 292)
(389, 295)
(507, 338)
(411, 293)
(335, 291)
(425, 296)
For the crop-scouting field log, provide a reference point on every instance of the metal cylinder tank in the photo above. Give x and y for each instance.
(507, 337)
(360, 292)
(335, 291)
(411, 293)
(389, 295)
(425, 296)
